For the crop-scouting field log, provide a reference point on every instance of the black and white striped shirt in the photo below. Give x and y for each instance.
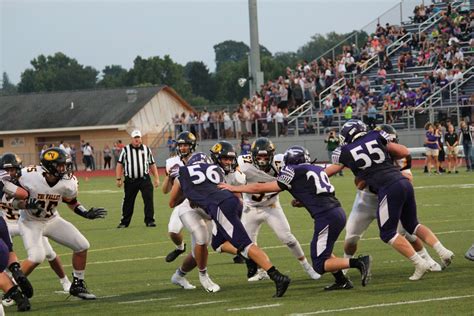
(136, 161)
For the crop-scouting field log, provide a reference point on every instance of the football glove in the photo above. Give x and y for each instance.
(95, 212)
(34, 204)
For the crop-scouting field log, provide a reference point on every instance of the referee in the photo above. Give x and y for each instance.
(136, 163)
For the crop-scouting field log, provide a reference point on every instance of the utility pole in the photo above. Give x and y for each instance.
(255, 72)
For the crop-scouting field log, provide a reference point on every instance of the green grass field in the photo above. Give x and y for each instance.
(127, 271)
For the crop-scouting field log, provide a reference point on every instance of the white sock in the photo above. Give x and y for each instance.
(203, 272)
(348, 256)
(439, 248)
(79, 274)
(423, 253)
(304, 262)
(64, 280)
(416, 259)
(180, 247)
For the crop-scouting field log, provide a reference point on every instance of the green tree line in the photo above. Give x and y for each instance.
(193, 81)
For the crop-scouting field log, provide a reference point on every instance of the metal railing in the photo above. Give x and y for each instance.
(300, 110)
(392, 48)
(437, 96)
(435, 18)
(166, 130)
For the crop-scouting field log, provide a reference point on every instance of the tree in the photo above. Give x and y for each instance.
(57, 73)
(114, 76)
(228, 91)
(8, 88)
(201, 81)
(320, 44)
(234, 51)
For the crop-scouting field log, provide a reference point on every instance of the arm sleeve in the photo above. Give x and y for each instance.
(122, 156)
(336, 154)
(150, 158)
(285, 177)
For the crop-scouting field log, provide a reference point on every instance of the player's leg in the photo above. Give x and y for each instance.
(364, 211)
(410, 222)
(179, 277)
(56, 265)
(392, 200)
(195, 222)
(327, 229)
(66, 234)
(228, 223)
(175, 227)
(417, 244)
(278, 222)
(252, 219)
(11, 291)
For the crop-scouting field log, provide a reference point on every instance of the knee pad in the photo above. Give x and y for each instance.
(83, 245)
(352, 240)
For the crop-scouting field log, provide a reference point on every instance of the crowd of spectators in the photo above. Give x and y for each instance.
(441, 49)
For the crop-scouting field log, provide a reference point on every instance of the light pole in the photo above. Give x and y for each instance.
(255, 72)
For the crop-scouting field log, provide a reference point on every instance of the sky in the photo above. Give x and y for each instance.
(103, 32)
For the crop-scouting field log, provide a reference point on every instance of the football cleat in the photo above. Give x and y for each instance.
(252, 268)
(365, 269)
(420, 270)
(434, 266)
(22, 302)
(470, 254)
(446, 258)
(21, 279)
(7, 301)
(259, 276)
(175, 254)
(181, 281)
(66, 285)
(78, 288)
(347, 285)
(207, 283)
(281, 282)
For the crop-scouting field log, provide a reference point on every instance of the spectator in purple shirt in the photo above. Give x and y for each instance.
(432, 148)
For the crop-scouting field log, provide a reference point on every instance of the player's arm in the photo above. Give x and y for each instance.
(333, 169)
(13, 190)
(176, 197)
(79, 209)
(252, 188)
(167, 184)
(397, 151)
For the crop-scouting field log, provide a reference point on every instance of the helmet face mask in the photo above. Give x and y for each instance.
(11, 163)
(57, 163)
(183, 139)
(262, 151)
(224, 155)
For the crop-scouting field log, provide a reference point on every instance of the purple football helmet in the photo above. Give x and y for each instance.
(351, 130)
(296, 155)
(198, 158)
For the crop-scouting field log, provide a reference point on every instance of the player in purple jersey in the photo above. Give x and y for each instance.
(198, 183)
(369, 155)
(311, 188)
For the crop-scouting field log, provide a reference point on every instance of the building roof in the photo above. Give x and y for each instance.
(76, 109)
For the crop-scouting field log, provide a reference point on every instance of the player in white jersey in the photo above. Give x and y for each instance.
(51, 183)
(10, 166)
(185, 146)
(364, 212)
(263, 166)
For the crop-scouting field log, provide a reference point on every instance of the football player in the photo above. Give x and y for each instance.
(185, 146)
(12, 166)
(369, 155)
(311, 188)
(198, 183)
(364, 212)
(470, 253)
(262, 166)
(50, 183)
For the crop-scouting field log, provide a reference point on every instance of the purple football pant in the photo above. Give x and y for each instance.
(396, 203)
(327, 228)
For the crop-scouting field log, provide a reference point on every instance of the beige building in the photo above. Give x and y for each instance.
(100, 117)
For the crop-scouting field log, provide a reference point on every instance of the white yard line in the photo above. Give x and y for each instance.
(213, 253)
(252, 307)
(147, 300)
(445, 298)
(199, 304)
(442, 186)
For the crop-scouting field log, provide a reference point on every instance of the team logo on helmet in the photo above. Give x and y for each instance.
(216, 148)
(50, 155)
